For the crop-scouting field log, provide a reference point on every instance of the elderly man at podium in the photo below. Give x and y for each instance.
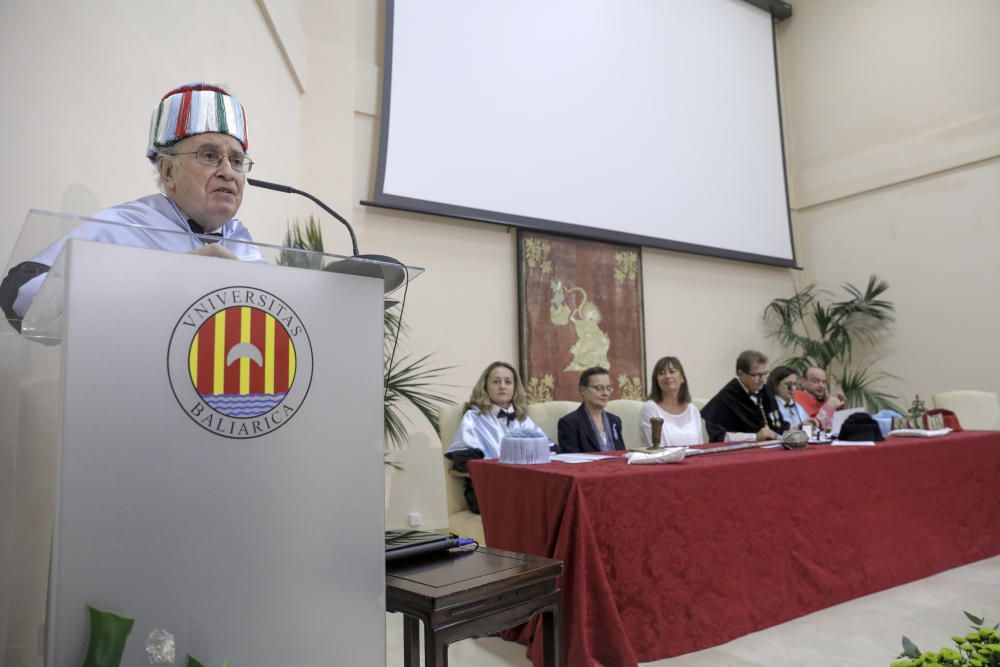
(198, 143)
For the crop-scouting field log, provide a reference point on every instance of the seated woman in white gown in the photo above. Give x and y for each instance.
(670, 400)
(498, 405)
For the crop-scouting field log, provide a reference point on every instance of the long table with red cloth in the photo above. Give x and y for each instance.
(662, 560)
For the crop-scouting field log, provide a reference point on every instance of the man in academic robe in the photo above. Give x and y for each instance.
(198, 144)
(744, 409)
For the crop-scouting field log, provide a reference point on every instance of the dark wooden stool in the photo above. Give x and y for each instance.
(459, 595)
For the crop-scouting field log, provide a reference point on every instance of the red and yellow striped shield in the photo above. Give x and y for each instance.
(242, 352)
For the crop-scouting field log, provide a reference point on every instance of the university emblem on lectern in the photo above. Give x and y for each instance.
(240, 362)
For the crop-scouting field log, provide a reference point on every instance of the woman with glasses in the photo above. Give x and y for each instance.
(198, 144)
(670, 400)
(591, 428)
(783, 383)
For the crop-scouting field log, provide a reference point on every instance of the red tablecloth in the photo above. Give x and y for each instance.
(666, 559)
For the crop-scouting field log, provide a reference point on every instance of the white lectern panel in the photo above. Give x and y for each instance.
(252, 530)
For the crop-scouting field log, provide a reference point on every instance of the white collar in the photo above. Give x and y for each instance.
(496, 409)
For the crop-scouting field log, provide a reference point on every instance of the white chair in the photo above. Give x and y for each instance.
(977, 410)
(461, 521)
(547, 415)
(628, 410)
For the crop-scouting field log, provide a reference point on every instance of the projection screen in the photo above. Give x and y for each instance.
(650, 122)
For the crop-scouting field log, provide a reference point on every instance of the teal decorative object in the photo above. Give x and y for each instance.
(108, 634)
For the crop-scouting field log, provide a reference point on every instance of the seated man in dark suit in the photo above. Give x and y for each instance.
(591, 428)
(744, 409)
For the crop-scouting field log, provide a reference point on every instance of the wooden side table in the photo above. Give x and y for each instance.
(459, 595)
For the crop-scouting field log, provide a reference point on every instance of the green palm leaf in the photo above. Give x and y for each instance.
(412, 381)
(860, 387)
(826, 333)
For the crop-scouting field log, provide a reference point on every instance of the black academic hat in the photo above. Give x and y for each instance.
(860, 427)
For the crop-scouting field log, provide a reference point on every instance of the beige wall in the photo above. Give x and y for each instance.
(81, 79)
(892, 118)
(880, 97)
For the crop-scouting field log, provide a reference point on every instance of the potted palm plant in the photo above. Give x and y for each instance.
(408, 380)
(839, 336)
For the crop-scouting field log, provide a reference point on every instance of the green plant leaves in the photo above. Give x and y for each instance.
(298, 238)
(979, 648)
(975, 619)
(408, 380)
(834, 335)
(108, 635)
(910, 649)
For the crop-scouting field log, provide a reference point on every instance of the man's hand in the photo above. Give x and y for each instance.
(766, 434)
(213, 250)
(836, 401)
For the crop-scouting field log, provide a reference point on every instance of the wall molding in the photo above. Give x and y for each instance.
(282, 21)
(972, 141)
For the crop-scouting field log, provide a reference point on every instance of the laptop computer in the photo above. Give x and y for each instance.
(401, 544)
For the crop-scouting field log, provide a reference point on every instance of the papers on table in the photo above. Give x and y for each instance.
(853, 443)
(581, 458)
(921, 432)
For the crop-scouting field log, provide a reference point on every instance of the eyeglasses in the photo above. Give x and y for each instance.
(788, 385)
(601, 387)
(758, 376)
(211, 157)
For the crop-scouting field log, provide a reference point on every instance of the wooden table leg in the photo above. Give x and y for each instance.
(411, 641)
(552, 637)
(435, 652)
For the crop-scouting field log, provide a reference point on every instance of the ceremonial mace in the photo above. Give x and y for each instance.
(794, 439)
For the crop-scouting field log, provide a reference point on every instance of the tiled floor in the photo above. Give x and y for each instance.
(861, 633)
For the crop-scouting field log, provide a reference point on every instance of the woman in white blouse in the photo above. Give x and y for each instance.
(670, 400)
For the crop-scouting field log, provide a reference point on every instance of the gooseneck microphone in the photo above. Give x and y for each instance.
(392, 272)
(291, 190)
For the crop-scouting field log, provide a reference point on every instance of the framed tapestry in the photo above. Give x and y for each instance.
(580, 305)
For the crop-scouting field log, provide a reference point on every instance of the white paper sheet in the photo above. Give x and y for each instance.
(580, 458)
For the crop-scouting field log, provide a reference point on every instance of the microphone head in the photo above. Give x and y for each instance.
(391, 271)
(794, 439)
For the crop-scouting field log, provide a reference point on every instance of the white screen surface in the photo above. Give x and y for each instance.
(646, 121)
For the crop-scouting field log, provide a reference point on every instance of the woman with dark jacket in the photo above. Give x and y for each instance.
(591, 428)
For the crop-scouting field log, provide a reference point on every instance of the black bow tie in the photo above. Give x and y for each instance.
(198, 229)
(509, 416)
